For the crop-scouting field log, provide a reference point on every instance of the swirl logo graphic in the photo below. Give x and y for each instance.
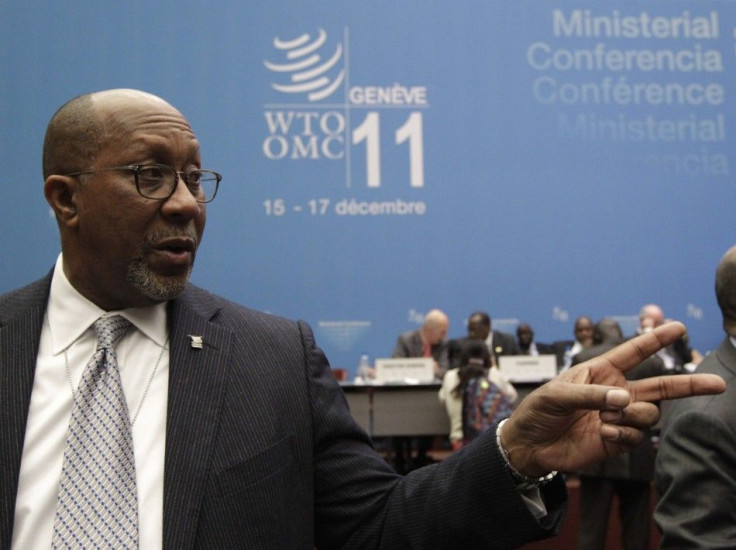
(305, 68)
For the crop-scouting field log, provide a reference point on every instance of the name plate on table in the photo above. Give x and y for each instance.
(528, 368)
(415, 369)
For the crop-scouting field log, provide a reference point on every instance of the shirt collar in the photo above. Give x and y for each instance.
(65, 303)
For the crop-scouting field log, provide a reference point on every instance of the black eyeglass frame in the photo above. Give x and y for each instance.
(135, 168)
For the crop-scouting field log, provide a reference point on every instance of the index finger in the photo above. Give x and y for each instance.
(675, 386)
(632, 352)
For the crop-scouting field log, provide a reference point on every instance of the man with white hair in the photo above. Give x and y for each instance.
(427, 341)
(678, 356)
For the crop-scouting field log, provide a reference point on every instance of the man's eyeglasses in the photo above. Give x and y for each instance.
(158, 181)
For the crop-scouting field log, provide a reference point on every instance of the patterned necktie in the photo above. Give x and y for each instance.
(98, 500)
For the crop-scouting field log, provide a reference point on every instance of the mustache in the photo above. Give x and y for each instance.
(155, 237)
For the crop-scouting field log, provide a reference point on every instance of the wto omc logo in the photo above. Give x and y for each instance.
(308, 67)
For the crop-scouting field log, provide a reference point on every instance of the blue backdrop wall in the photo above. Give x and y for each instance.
(539, 160)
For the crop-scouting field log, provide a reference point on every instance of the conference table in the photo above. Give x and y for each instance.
(399, 409)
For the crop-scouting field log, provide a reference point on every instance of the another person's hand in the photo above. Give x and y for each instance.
(591, 411)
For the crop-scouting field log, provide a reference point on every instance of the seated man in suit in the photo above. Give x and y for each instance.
(567, 349)
(526, 343)
(679, 356)
(427, 341)
(229, 431)
(499, 343)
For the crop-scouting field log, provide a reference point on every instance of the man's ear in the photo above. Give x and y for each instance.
(61, 194)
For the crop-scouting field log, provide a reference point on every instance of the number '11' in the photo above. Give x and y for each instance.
(370, 132)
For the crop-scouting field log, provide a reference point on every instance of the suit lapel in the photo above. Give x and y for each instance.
(21, 318)
(196, 387)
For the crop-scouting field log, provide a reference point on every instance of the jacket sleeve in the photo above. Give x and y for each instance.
(695, 480)
(468, 500)
(401, 348)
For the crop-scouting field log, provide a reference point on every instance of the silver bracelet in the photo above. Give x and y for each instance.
(522, 482)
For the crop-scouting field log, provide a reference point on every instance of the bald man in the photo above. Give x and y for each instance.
(428, 341)
(238, 436)
(678, 356)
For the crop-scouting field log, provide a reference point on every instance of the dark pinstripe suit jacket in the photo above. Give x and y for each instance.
(261, 451)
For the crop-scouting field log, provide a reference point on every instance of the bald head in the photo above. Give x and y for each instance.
(650, 316)
(726, 290)
(73, 137)
(435, 326)
(120, 247)
(84, 125)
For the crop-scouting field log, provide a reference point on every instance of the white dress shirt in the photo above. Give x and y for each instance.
(576, 348)
(67, 338)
